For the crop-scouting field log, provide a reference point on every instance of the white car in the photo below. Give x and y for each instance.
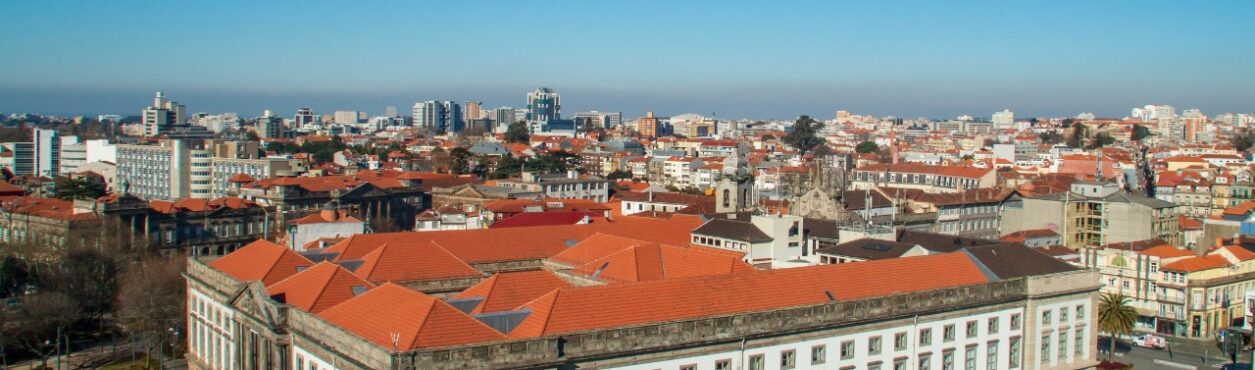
(1150, 341)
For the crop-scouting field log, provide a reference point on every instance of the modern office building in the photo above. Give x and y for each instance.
(163, 115)
(305, 116)
(73, 155)
(543, 105)
(177, 169)
(47, 152)
(23, 159)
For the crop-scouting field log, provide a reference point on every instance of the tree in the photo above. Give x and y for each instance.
(1140, 132)
(518, 132)
(1050, 137)
(1101, 140)
(459, 160)
(804, 135)
(150, 300)
(1115, 317)
(39, 322)
(619, 175)
(768, 137)
(1243, 139)
(89, 277)
(507, 166)
(866, 147)
(80, 188)
(1079, 133)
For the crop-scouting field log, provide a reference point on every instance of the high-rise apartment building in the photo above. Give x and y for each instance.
(346, 116)
(1003, 119)
(502, 118)
(305, 116)
(600, 119)
(543, 104)
(47, 152)
(162, 115)
(438, 116)
(177, 169)
(647, 125)
(472, 110)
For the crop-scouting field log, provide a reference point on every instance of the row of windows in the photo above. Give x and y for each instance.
(819, 356)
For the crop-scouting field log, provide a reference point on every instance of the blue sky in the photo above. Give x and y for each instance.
(764, 59)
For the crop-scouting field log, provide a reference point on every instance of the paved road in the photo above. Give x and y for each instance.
(1181, 354)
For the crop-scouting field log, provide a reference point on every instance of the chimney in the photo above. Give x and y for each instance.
(330, 214)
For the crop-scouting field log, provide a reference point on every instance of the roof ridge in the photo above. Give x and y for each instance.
(662, 262)
(431, 308)
(335, 269)
(492, 285)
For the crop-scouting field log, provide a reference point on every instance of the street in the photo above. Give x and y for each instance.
(1180, 354)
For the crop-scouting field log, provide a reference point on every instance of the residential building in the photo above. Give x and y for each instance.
(1091, 215)
(163, 116)
(647, 126)
(604, 120)
(47, 146)
(177, 169)
(565, 186)
(929, 178)
(438, 116)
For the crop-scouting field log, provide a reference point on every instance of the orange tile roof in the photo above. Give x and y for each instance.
(320, 217)
(317, 288)
(261, 260)
(508, 290)
(616, 305)
(1242, 254)
(1166, 251)
(520, 243)
(45, 207)
(1208, 262)
(651, 261)
(412, 263)
(418, 320)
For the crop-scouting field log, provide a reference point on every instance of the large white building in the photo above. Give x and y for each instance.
(162, 114)
(177, 169)
(1003, 119)
(47, 152)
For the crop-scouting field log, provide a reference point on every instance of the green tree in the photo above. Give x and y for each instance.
(507, 166)
(459, 160)
(1140, 132)
(1115, 317)
(805, 134)
(1243, 139)
(518, 133)
(81, 188)
(1079, 133)
(1050, 137)
(619, 175)
(866, 147)
(1101, 140)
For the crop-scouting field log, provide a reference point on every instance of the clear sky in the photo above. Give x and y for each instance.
(769, 59)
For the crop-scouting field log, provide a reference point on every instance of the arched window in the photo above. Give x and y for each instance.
(726, 194)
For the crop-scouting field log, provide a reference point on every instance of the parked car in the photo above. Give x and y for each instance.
(1150, 341)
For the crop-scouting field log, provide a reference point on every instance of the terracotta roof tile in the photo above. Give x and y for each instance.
(1194, 264)
(418, 320)
(318, 288)
(576, 309)
(1166, 251)
(508, 290)
(412, 263)
(261, 260)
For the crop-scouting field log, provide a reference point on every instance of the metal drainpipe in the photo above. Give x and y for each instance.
(742, 367)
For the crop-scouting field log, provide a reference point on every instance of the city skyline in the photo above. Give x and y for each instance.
(751, 60)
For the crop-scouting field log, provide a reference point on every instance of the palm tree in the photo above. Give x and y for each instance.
(1115, 317)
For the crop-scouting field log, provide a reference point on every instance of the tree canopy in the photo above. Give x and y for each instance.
(1140, 132)
(1115, 316)
(866, 147)
(805, 134)
(518, 132)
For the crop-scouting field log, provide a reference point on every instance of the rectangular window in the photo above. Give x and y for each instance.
(947, 360)
(788, 359)
(1080, 312)
(1013, 353)
(873, 366)
(1045, 317)
(756, 362)
(925, 361)
(899, 341)
(847, 350)
(1015, 321)
(724, 364)
(969, 358)
(1063, 345)
(1063, 311)
(991, 355)
(873, 345)
(992, 326)
(1078, 344)
(1045, 348)
(947, 335)
(971, 329)
(688, 367)
(925, 336)
(899, 363)
(819, 354)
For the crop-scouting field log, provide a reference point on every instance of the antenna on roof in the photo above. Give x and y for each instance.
(396, 337)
